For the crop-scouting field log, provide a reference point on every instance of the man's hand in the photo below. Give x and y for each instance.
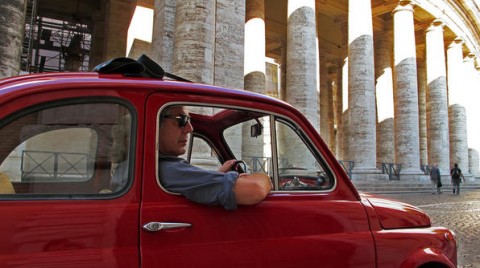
(227, 166)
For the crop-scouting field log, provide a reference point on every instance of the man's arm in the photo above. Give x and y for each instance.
(251, 189)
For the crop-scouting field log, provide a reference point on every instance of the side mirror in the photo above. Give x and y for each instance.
(256, 130)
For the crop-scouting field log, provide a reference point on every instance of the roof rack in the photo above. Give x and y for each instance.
(141, 67)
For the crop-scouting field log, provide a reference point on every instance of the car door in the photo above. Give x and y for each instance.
(67, 194)
(293, 227)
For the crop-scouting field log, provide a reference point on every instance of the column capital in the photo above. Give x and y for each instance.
(456, 42)
(404, 5)
(470, 57)
(436, 24)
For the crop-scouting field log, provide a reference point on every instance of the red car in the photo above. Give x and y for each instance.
(79, 184)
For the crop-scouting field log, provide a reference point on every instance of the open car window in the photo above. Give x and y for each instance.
(66, 150)
(298, 168)
(201, 154)
(264, 142)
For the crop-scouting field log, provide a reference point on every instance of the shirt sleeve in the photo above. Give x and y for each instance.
(196, 184)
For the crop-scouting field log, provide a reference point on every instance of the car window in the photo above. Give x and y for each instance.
(66, 150)
(295, 167)
(265, 143)
(298, 168)
(256, 148)
(202, 155)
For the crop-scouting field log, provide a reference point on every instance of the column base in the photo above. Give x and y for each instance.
(411, 171)
(415, 177)
(368, 174)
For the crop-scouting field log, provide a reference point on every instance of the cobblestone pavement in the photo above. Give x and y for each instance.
(460, 213)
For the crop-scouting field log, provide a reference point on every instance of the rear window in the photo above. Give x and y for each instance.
(66, 150)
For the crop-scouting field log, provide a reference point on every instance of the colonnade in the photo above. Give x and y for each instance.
(379, 103)
(395, 107)
(399, 108)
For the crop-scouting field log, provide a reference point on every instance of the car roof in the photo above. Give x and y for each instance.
(120, 73)
(13, 87)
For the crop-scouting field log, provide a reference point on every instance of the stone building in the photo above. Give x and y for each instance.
(387, 83)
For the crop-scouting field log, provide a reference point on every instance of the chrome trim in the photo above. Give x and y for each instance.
(158, 226)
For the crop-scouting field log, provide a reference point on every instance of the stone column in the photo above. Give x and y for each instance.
(255, 76)
(422, 111)
(302, 67)
(117, 20)
(96, 55)
(470, 82)
(229, 57)
(194, 53)
(343, 127)
(456, 111)
(458, 137)
(437, 107)
(282, 94)
(325, 102)
(302, 86)
(230, 43)
(361, 88)
(343, 131)
(163, 33)
(473, 160)
(12, 25)
(339, 110)
(331, 113)
(407, 147)
(194, 40)
(255, 46)
(384, 96)
(456, 90)
(346, 154)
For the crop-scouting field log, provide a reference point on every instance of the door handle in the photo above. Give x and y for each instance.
(158, 226)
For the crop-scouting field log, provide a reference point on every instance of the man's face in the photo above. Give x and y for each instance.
(173, 138)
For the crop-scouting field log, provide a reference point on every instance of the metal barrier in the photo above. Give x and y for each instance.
(392, 169)
(264, 164)
(54, 166)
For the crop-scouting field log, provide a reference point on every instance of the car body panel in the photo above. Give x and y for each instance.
(394, 214)
(337, 227)
(70, 233)
(320, 219)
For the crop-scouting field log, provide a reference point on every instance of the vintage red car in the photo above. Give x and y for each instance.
(63, 134)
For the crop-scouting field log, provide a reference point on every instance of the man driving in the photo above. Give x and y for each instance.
(223, 187)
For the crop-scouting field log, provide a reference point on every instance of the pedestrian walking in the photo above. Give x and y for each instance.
(435, 179)
(457, 177)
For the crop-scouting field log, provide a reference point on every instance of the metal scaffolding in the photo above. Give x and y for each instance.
(52, 45)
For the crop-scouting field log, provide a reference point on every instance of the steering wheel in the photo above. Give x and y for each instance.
(240, 166)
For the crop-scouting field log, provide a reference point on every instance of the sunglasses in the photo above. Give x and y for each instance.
(182, 119)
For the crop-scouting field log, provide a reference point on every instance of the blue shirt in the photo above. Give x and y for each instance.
(196, 184)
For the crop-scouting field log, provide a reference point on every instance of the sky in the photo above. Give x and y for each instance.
(141, 26)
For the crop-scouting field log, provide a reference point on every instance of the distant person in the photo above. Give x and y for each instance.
(457, 177)
(435, 179)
